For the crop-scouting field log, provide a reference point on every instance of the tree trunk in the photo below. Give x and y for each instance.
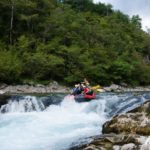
(11, 24)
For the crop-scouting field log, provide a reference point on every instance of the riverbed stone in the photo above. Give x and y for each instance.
(112, 142)
(129, 146)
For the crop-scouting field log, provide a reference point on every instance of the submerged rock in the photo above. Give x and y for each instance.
(4, 99)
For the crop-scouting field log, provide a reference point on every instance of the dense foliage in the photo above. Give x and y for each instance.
(68, 40)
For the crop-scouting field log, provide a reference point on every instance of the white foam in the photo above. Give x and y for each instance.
(53, 129)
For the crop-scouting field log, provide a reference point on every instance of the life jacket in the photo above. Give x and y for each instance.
(88, 91)
(76, 91)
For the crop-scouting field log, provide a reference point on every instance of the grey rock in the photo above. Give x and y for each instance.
(129, 146)
(3, 85)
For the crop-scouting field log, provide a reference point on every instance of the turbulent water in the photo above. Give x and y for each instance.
(57, 122)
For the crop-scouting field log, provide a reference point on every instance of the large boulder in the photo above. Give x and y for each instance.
(136, 121)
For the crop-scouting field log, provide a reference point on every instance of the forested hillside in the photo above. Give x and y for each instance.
(67, 40)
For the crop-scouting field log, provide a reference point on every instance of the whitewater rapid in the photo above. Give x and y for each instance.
(27, 124)
(54, 128)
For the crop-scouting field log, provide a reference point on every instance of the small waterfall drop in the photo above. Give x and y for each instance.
(23, 104)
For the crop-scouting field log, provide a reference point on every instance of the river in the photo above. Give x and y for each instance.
(57, 122)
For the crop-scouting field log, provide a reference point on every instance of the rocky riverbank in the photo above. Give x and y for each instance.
(54, 87)
(126, 88)
(128, 131)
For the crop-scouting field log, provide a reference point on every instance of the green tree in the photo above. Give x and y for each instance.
(136, 20)
(67, 40)
(10, 67)
(41, 66)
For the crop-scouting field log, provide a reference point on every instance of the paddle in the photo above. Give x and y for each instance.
(97, 88)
